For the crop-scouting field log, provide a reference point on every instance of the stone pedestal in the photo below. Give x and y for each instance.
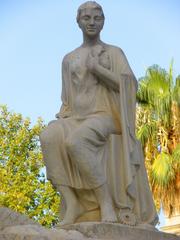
(113, 231)
(84, 231)
(14, 226)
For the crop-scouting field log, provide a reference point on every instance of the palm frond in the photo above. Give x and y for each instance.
(170, 75)
(176, 91)
(158, 99)
(155, 90)
(162, 170)
(176, 156)
(146, 131)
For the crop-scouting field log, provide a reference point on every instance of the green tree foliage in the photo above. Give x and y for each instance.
(23, 187)
(158, 128)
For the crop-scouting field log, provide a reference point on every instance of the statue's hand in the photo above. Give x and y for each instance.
(104, 60)
(92, 62)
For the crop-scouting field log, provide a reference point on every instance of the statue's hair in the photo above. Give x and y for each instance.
(89, 4)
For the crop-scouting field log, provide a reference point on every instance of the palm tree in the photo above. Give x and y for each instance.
(158, 128)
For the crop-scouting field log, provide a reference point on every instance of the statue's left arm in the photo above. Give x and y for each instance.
(128, 88)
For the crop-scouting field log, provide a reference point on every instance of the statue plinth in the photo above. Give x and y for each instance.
(84, 231)
(17, 226)
(100, 230)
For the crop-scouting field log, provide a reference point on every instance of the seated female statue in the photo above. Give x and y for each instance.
(91, 153)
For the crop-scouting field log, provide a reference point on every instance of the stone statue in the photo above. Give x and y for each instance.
(91, 153)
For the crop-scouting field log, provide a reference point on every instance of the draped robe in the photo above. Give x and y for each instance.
(106, 129)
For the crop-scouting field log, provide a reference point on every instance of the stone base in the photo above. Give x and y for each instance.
(84, 231)
(113, 231)
(15, 226)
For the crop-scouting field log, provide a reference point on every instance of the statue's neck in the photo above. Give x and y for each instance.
(88, 42)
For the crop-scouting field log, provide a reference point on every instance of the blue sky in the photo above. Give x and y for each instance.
(35, 35)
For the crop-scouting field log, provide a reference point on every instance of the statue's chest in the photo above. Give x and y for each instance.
(78, 66)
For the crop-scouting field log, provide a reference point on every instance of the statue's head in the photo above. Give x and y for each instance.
(90, 18)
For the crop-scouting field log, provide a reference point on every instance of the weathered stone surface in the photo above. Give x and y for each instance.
(18, 237)
(33, 232)
(83, 231)
(115, 231)
(11, 218)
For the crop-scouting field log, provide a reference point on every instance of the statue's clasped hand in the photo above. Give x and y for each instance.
(92, 62)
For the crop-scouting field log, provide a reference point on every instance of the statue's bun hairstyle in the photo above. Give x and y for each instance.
(89, 4)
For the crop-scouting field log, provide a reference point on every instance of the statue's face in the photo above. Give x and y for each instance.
(91, 21)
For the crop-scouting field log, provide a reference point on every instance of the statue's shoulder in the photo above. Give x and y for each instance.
(66, 58)
(69, 56)
(114, 49)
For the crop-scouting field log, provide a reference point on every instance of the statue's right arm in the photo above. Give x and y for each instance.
(65, 110)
